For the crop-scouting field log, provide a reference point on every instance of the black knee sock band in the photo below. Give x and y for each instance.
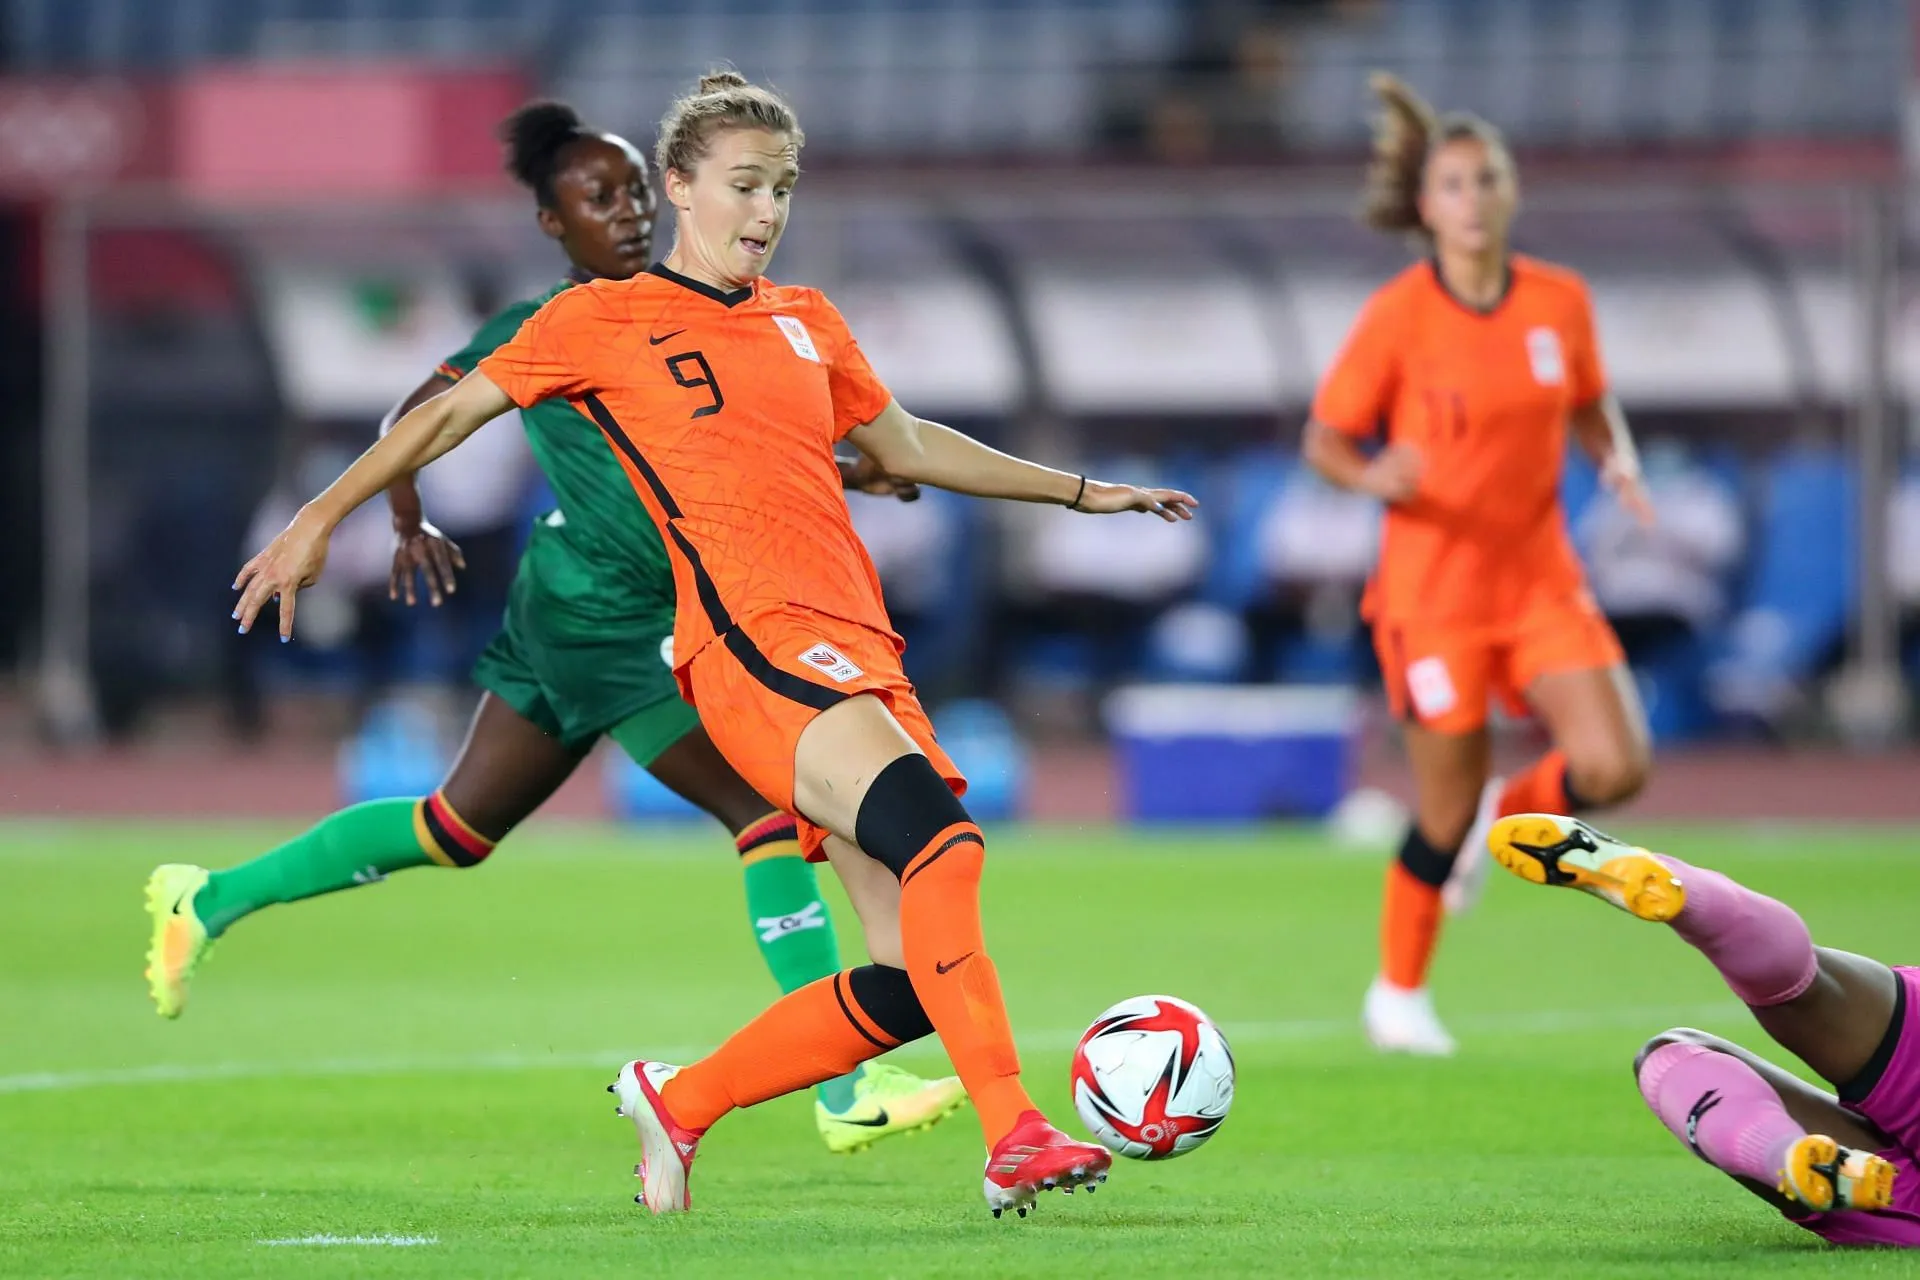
(1423, 862)
(886, 996)
(1575, 802)
(906, 808)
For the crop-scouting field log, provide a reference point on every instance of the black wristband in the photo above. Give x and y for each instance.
(1078, 494)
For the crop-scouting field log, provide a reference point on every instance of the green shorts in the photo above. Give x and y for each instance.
(575, 673)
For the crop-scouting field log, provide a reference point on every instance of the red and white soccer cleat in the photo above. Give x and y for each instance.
(666, 1149)
(1037, 1157)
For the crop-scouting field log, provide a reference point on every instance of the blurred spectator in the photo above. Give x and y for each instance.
(1086, 592)
(1224, 91)
(183, 406)
(1670, 581)
(923, 552)
(1317, 545)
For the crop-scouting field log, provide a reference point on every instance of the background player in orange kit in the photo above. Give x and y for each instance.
(723, 395)
(1476, 362)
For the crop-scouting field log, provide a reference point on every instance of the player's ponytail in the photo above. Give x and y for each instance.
(723, 99)
(535, 135)
(1405, 133)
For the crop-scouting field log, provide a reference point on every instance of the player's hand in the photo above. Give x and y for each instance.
(867, 476)
(293, 560)
(1621, 477)
(419, 547)
(1393, 475)
(1103, 499)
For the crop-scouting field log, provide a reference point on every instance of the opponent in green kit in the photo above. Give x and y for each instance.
(586, 650)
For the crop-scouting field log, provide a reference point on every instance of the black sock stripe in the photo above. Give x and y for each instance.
(1858, 1089)
(785, 683)
(840, 995)
(1575, 803)
(445, 840)
(965, 837)
(1423, 862)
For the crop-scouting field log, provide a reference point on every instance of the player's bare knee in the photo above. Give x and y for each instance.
(905, 809)
(883, 943)
(1609, 775)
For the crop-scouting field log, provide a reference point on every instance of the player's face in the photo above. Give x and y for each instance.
(603, 207)
(1468, 197)
(734, 207)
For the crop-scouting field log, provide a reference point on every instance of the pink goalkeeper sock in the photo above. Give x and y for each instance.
(1760, 946)
(1721, 1108)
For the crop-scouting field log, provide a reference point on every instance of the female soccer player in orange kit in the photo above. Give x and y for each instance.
(723, 396)
(1476, 362)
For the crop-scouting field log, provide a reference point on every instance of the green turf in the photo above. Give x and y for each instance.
(426, 1058)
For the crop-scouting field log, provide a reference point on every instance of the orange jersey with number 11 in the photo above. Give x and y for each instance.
(1485, 399)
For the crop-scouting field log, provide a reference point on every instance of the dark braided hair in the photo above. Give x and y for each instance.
(535, 135)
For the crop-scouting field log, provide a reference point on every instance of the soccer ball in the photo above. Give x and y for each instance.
(1152, 1078)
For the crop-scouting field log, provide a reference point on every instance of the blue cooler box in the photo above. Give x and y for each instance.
(1233, 753)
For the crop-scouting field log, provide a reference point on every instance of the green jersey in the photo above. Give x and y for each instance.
(611, 564)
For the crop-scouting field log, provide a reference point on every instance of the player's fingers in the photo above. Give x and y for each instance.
(251, 601)
(286, 612)
(453, 549)
(440, 551)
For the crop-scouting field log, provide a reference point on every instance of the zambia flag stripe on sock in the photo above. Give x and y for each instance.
(756, 841)
(445, 838)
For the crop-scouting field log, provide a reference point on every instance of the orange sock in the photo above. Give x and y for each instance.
(809, 1035)
(1540, 788)
(1409, 927)
(956, 982)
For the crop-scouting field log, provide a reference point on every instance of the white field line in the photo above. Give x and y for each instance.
(397, 1242)
(1541, 1022)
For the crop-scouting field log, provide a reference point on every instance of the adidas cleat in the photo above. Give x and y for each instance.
(1037, 1157)
(1829, 1178)
(179, 942)
(666, 1149)
(1551, 850)
(888, 1101)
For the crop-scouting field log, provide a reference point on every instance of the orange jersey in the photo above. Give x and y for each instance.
(1485, 399)
(724, 408)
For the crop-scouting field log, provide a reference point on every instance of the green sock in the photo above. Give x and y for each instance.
(790, 922)
(354, 846)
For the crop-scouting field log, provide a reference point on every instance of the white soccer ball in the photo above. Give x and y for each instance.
(1152, 1078)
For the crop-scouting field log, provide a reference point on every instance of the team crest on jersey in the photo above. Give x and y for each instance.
(1431, 686)
(798, 338)
(828, 662)
(1543, 353)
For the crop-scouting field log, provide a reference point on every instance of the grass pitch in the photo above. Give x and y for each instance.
(406, 1080)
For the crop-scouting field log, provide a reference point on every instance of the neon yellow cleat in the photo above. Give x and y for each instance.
(1827, 1177)
(180, 940)
(1548, 849)
(886, 1101)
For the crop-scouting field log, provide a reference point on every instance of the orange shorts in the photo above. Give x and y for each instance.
(1445, 678)
(761, 685)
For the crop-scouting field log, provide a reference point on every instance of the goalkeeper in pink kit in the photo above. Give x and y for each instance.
(1844, 1164)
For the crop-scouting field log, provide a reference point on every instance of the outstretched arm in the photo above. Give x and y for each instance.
(925, 452)
(294, 559)
(418, 546)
